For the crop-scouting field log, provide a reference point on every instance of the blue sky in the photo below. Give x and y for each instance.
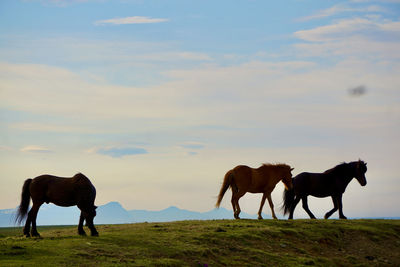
(161, 98)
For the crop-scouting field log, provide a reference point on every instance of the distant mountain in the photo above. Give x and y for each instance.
(114, 213)
(7, 217)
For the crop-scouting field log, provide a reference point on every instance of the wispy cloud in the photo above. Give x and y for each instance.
(5, 148)
(351, 27)
(118, 152)
(355, 37)
(192, 145)
(55, 128)
(130, 20)
(35, 149)
(341, 8)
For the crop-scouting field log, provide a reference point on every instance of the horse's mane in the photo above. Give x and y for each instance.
(276, 165)
(340, 167)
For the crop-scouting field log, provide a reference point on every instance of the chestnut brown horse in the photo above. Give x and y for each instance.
(243, 179)
(65, 192)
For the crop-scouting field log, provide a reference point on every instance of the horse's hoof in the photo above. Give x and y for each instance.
(260, 217)
(83, 233)
(94, 233)
(36, 235)
(343, 218)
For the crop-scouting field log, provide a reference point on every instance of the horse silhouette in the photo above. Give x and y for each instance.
(65, 192)
(332, 182)
(243, 179)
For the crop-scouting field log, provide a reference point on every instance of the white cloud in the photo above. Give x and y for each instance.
(341, 8)
(357, 38)
(344, 29)
(35, 149)
(130, 20)
(121, 151)
(192, 145)
(51, 127)
(356, 47)
(208, 95)
(37, 88)
(5, 148)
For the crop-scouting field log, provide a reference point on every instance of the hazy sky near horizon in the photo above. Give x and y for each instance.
(154, 100)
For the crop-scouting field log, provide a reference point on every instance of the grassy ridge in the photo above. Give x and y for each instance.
(212, 243)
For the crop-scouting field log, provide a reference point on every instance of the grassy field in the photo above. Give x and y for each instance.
(210, 243)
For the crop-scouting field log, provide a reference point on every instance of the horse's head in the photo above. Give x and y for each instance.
(287, 178)
(361, 169)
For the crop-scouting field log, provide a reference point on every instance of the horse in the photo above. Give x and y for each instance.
(243, 179)
(332, 182)
(65, 192)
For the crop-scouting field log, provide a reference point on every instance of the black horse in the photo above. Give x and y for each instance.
(64, 192)
(332, 182)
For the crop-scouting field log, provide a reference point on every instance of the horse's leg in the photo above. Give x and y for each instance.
(236, 200)
(271, 204)
(340, 206)
(335, 207)
(261, 206)
(27, 228)
(233, 204)
(295, 202)
(89, 222)
(87, 214)
(305, 207)
(80, 226)
(35, 210)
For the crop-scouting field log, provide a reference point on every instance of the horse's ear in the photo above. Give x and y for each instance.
(95, 207)
(291, 169)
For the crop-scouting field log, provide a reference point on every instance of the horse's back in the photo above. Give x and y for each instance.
(81, 180)
(44, 181)
(86, 188)
(315, 184)
(242, 169)
(253, 180)
(242, 175)
(47, 180)
(62, 191)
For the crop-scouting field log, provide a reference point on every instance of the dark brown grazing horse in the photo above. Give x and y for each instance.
(243, 179)
(64, 192)
(332, 182)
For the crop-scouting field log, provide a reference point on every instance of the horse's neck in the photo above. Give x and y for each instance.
(345, 178)
(268, 173)
(278, 175)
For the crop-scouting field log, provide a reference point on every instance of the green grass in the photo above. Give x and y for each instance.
(215, 243)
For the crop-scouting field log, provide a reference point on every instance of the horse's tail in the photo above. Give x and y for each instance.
(228, 179)
(288, 199)
(25, 200)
